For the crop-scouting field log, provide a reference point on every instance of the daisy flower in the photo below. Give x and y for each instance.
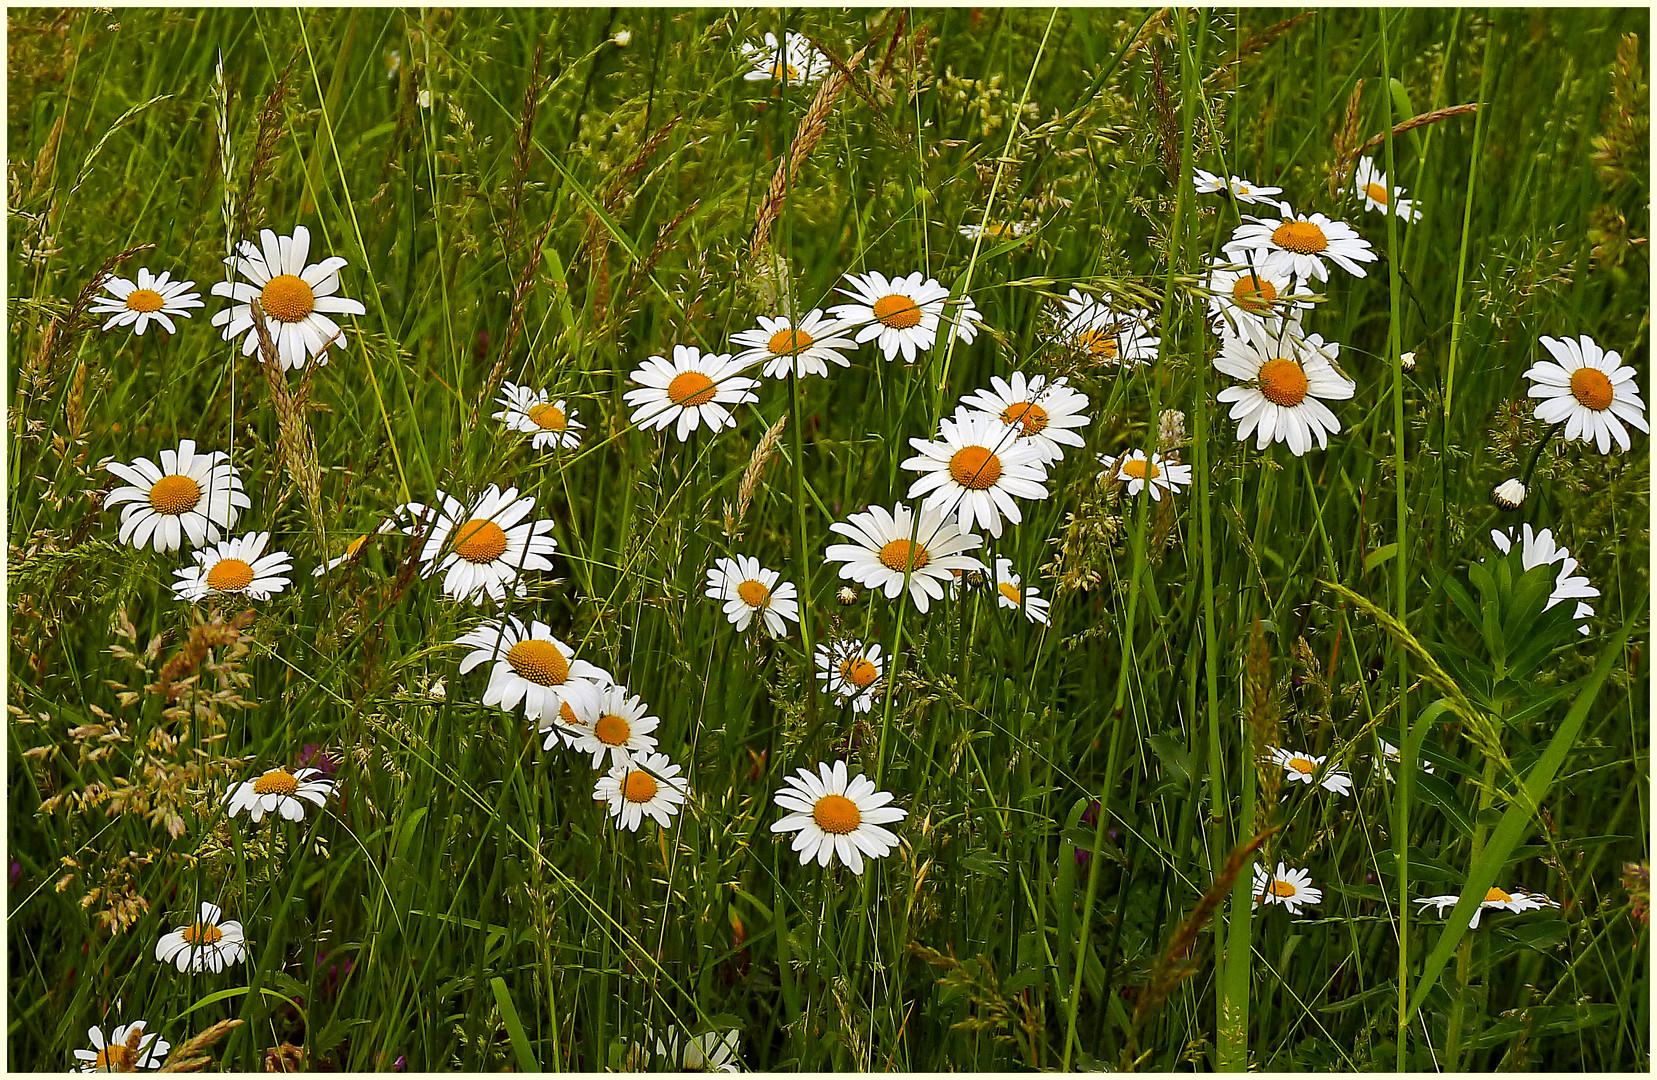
(135, 304)
(552, 423)
(1156, 473)
(1302, 768)
(1510, 494)
(212, 943)
(620, 728)
(1391, 755)
(898, 314)
(1208, 183)
(1047, 414)
(793, 61)
(1120, 338)
(1241, 295)
(643, 784)
(996, 231)
(806, 350)
(189, 495)
(1378, 195)
(1298, 244)
(1291, 888)
(851, 672)
(279, 791)
(1011, 593)
(114, 1055)
(482, 548)
(236, 567)
(692, 389)
(353, 550)
(530, 666)
(1287, 378)
(1539, 549)
(297, 298)
(834, 818)
(963, 320)
(882, 551)
(1496, 899)
(747, 589)
(713, 1051)
(974, 469)
(1590, 390)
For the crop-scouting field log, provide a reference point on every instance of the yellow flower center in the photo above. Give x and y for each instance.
(1100, 344)
(1279, 887)
(789, 342)
(116, 1058)
(1252, 294)
(836, 814)
(480, 541)
(897, 311)
(230, 575)
(858, 671)
(145, 300)
(690, 389)
(1032, 417)
(547, 417)
(753, 593)
(356, 545)
(639, 787)
(175, 494)
(1376, 192)
(1242, 189)
(901, 555)
(785, 72)
(1303, 766)
(286, 298)
(540, 662)
(975, 467)
(1141, 469)
(1300, 237)
(276, 782)
(1010, 591)
(1497, 896)
(1283, 382)
(567, 714)
(201, 933)
(1590, 386)
(613, 730)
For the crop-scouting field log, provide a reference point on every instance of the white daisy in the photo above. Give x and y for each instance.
(883, 551)
(1495, 899)
(114, 1055)
(785, 349)
(974, 469)
(1012, 593)
(1047, 414)
(1155, 473)
(996, 231)
(552, 423)
(278, 791)
(212, 943)
(353, 550)
(297, 298)
(643, 784)
(1592, 391)
(1303, 768)
(530, 666)
(962, 319)
(1298, 244)
(190, 495)
(483, 548)
(619, 727)
(236, 567)
(1240, 295)
(1288, 377)
(898, 314)
(794, 61)
(135, 304)
(1539, 549)
(836, 818)
(1118, 338)
(747, 589)
(851, 672)
(691, 389)
(1208, 183)
(1290, 888)
(1378, 195)
(713, 1051)
(1391, 755)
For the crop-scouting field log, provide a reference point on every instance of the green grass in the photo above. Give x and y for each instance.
(462, 903)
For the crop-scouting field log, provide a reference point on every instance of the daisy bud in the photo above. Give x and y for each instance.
(1408, 360)
(621, 38)
(847, 595)
(1510, 494)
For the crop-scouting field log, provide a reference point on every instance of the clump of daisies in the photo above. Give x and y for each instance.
(297, 298)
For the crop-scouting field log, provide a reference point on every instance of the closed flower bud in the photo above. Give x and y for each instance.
(1510, 495)
(847, 595)
(1408, 360)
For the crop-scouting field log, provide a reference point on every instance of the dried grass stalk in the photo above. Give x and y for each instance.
(190, 1057)
(1346, 142)
(1422, 121)
(751, 477)
(294, 441)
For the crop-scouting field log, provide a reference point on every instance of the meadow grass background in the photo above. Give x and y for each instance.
(463, 903)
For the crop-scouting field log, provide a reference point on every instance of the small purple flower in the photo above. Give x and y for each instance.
(313, 756)
(1083, 856)
(1090, 816)
(16, 871)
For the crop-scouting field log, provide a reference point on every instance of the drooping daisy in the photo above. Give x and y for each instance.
(713, 1051)
(996, 231)
(212, 943)
(883, 552)
(530, 666)
(135, 304)
(552, 423)
(962, 319)
(1539, 549)
(1288, 376)
(643, 784)
(748, 589)
(785, 349)
(297, 298)
(691, 388)
(114, 1055)
(1304, 768)
(1116, 338)
(353, 550)
(1510, 494)
(1047, 414)
(1588, 388)
(1371, 184)
(1011, 592)
(835, 818)
(851, 672)
(1244, 295)
(1391, 755)
(794, 61)
(974, 469)
(898, 314)
(1155, 473)
(1290, 888)
(236, 567)
(1298, 244)
(1208, 183)
(279, 791)
(621, 728)
(190, 495)
(481, 549)
(1496, 899)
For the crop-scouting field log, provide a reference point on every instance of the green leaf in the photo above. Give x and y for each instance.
(1440, 794)
(1171, 752)
(514, 1027)
(1379, 556)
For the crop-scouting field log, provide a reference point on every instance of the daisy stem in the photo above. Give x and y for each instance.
(1464, 952)
(800, 551)
(1536, 455)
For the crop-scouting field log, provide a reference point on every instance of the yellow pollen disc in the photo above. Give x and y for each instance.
(547, 417)
(201, 934)
(1589, 386)
(145, 300)
(1242, 189)
(1303, 766)
(836, 814)
(1252, 294)
(1100, 344)
(639, 787)
(1010, 591)
(356, 545)
(613, 730)
(175, 494)
(480, 541)
(1376, 192)
(1300, 237)
(901, 555)
(1283, 382)
(1496, 896)
(789, 342)
(539, 662)
(975, 468)
(785, 72)
(116, 1058)
(567, 714)
(1032, 417)
(858, 671)
(277, 782)
(690, 389)
(1279, 887)
(897, 311)
(229, 575)
(286, 298)
(1141, 469)
(753, 593)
